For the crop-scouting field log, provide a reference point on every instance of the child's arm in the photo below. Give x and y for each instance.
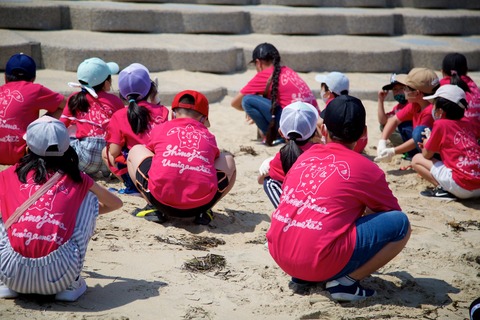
(107, 201)
(381, 115)
(264, 170)
(237, 102)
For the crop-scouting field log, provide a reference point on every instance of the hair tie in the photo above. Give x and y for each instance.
(131, 100)
(453, 72)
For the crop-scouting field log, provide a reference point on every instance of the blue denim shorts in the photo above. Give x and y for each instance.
(375, 231)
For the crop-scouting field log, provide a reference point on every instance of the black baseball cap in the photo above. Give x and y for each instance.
(345, 118)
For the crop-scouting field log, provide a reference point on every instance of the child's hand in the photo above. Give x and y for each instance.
(385, 155)
(382, 95)
(265, 166)
(248, 119)
(426, 134)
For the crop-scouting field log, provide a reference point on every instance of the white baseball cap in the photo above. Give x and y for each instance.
(299, 117)
(44, 133)
(336, 81)
(450, 92)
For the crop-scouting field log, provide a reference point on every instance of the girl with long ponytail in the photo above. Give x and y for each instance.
(269, 91)
(89, 111)
(454, 70)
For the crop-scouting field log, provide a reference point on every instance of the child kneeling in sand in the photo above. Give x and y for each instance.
(48, 213)
(337, 221)
(455, 138)
(298, 125)
(181, 171)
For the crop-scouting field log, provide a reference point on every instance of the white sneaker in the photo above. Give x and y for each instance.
(73, 292)
(6, 292)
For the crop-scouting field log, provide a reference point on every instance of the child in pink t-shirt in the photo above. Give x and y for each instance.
(403, 132)
(333, 85)
(419, 82)
(454, 70)
(181, 171)
(48, 213)
(132, 125)
(21, 100)
(89, 111)
(298, 125)
(455, 138)
(337, 221)
(269, 91)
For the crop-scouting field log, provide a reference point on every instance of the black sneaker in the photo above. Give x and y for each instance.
(150, 213)
(350, 293)
(204, 218)
(300, 287)
(438, 192)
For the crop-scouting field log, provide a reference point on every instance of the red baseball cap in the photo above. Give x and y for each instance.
(200, 103)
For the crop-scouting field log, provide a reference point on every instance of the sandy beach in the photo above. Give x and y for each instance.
(136, 269)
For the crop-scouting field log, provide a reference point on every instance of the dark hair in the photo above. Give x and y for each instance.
(290, 152)
(455, 66)
(68, 163)
(344, 92)
(452, 110)
(79, 102)
(138, 116)
(268, 52)
(17, 77)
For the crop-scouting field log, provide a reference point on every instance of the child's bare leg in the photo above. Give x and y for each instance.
(422, 166)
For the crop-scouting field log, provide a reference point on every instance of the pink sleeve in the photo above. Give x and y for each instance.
(47, 99)
(114, 132)
(276, 170)
(257, 84)
(405, 114)
(434, 142)
(66, 113)
(87, 180)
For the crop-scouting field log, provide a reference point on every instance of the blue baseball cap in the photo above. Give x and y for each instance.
(95, 71)
(21, 65)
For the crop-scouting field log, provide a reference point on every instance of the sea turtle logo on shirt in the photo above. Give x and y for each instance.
(468, 141)
(45, 202)
(6, 98)
(189, 137)
(304, 93)
(316, 171)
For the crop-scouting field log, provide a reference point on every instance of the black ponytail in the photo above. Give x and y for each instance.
(290, 152)
(79, 103)
(138, 116)
(455, 66)
(271, 133)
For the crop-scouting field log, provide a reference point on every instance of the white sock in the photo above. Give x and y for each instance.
(346, 281)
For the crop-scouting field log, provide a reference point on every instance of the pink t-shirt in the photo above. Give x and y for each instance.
(94, 122)
(313, 234)
(20, 103)
(472, 97)
(291, 87)
(456, 142)
(395, 109)
(183, 172)
(276, 171)
(413, 112)
(50, 221)
(120, 132)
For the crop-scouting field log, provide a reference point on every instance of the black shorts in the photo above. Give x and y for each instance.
(141, 182)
